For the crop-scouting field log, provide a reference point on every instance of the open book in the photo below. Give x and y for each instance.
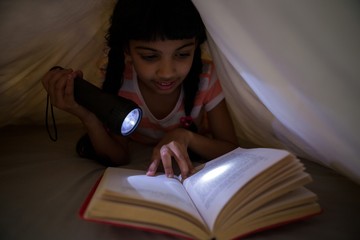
(241, 192)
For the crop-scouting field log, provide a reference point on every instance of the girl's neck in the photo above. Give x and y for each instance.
(160, 105)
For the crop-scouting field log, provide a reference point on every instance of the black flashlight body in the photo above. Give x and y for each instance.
(110, 109)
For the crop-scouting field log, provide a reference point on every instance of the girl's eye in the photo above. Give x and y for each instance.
(149, 58)
(183, 55)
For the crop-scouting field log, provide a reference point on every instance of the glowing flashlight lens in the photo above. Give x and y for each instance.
(130, 122)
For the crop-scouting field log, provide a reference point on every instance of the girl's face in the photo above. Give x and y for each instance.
(161, 65)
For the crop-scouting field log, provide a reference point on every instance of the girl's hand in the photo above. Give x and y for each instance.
(174, 145)
(59, 83)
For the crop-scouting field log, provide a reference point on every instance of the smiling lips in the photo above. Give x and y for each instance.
(165, 85)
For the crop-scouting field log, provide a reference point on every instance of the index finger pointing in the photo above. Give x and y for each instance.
(166, 158)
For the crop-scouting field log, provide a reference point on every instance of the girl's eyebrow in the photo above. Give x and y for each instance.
(186, 45)
(146, 48)
(155, 50)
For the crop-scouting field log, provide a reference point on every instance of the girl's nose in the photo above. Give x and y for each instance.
(166, 69)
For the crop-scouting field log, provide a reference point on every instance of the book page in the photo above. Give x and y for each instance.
(213, 186)
(133, 186)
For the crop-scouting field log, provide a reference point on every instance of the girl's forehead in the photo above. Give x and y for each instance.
(163, 44)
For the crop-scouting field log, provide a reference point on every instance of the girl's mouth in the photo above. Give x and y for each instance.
(165, 85)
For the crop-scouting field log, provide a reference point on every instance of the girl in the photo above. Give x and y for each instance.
(155, 60)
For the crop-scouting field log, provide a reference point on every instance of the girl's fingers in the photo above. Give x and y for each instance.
(155, 161)
(58, 90)
(182, 158)
(56, 83)
(165, 155)
(166, 158)
(59, 83)
(69, 87)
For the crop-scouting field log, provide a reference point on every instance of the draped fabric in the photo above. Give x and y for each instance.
(290, 69)
(37, 35)
(291, 73)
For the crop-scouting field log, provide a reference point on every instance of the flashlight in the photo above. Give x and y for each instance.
(120, 115)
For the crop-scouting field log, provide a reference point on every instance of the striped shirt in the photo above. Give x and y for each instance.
(151, 129)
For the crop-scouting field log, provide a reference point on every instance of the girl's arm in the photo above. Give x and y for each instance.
(174, 145)
(108, 145)
(60, 86)
(223, 134)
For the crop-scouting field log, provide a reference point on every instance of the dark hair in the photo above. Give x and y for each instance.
(151, 20)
